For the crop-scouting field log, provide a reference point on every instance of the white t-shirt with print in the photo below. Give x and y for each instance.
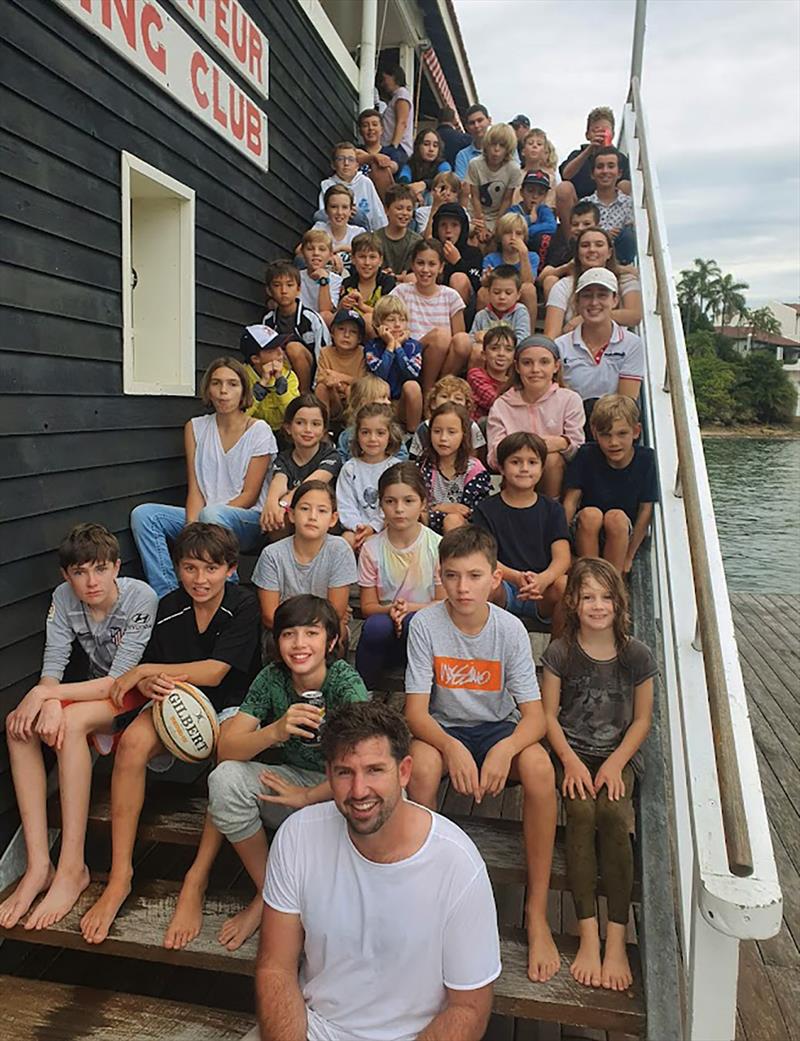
(382, 941)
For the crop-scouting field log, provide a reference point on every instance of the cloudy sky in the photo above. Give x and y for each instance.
(721, 87)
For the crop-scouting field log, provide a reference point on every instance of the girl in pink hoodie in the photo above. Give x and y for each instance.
(537, 403)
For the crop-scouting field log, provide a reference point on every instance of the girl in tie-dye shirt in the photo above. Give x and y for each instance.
(398, 572)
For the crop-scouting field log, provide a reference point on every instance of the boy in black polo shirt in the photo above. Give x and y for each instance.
(207, 633)
(612, 485)
(531, 534)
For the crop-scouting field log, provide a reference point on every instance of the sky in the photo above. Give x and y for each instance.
(721, 90)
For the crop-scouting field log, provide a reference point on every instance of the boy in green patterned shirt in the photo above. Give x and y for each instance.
(245, 795)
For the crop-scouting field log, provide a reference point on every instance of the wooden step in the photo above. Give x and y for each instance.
(32, 1010)
(562, 999)
(139, 929)
(173, 813)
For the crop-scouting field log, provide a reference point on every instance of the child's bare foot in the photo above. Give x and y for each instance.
(60, 899)
(616, 973)
(544, 961)
(187, 921)
(586, 968)
(242, 925)
(33, 882)
(100, 916)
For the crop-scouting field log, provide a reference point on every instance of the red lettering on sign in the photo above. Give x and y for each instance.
(237, 113)
(220, 21)
(239, 33)
(157, 55)
(87, 6)
(198, 65)
(220, 115)
(256, 54)
(254, 125)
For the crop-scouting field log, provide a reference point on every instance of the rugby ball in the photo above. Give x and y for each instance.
(186, 723)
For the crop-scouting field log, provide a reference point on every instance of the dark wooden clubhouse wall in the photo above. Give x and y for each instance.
(73, 446)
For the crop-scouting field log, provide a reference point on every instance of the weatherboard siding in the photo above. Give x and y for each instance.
(73, 446)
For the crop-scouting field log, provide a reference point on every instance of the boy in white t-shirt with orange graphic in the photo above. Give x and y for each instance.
(476, 714)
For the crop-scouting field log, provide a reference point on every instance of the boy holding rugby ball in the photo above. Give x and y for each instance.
(206, 633)
(244, 794)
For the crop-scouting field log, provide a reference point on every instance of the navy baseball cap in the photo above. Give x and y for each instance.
(536, 179)
(350, 315)
(520, 121)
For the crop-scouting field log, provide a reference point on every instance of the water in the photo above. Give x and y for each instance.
(755, 484)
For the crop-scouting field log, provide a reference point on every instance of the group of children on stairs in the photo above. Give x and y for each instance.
(358, 437)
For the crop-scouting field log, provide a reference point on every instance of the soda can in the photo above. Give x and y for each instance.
(317, 699)
(608, 137)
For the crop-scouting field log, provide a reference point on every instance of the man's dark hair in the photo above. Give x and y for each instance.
(281, 269)
(306, 610)
(359, 721)
(476, 108)
(88, 544)
(608, 150)
(584, 206)
(463, 542)
(209, 542)
(512, 443)
(447, 115)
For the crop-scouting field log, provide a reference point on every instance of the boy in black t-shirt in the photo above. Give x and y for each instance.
(207, 633)
(612, 485)
(531, 532)
(289, 317)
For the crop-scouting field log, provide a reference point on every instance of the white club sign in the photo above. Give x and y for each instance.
(153, 41)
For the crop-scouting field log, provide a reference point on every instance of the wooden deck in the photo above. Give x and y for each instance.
(768, 633)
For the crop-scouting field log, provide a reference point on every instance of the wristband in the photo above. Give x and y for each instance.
(324, 281)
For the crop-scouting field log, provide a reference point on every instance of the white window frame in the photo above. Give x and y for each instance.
(185, 387)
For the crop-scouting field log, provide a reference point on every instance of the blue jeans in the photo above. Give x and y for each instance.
(625, 245)
(153, 524)
(380, 648)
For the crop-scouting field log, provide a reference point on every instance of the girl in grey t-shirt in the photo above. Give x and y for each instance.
(597, 691)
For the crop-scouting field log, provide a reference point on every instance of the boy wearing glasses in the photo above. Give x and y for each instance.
(368, 205)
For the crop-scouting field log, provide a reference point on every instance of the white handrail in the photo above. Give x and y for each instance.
(717, 906)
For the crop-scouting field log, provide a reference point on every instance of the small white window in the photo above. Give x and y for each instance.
(158, 320)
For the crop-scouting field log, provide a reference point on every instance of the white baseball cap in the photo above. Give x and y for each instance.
(598, 276)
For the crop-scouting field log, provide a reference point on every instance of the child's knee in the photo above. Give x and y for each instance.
(536, 770)
(612, 817)
(138, 744)
(452, 521)
(411, 393)
(428, 765)
(580, 811)
(615, 522)
(565, 192)
(461, 344)
(590, 520)
(212, 515)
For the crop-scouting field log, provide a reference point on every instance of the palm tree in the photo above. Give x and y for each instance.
(708, 275)
(763, 321)
(728, 301)
(687, 296)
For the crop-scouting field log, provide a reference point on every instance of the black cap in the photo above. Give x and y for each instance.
(351, 315)
(520, 121)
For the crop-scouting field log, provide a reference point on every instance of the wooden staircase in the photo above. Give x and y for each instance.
(171, 823)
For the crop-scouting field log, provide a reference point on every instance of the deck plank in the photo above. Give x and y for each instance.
(767, 633)
(31, 1010)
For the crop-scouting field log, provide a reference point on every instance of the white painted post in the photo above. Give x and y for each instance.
(366, 54)
(713, 970)
(406, 63)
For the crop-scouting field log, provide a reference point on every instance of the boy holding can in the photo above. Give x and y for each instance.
(285, 706)
(576, 170)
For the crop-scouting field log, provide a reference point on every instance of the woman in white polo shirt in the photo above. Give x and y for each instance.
(600, 357)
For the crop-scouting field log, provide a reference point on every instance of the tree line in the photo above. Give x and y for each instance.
(730, 389)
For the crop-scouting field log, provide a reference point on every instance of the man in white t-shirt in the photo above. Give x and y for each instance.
(386, 905)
